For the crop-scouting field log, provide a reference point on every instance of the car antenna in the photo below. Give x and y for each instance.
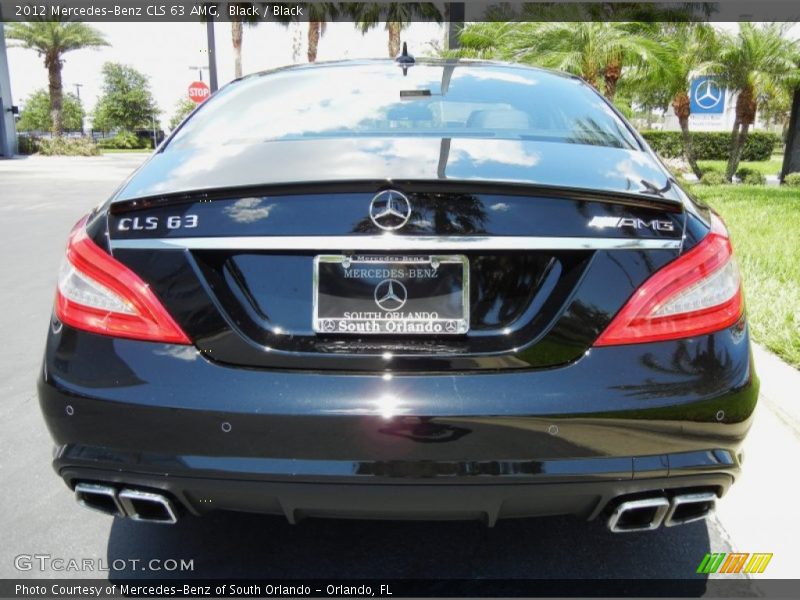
(404, 59)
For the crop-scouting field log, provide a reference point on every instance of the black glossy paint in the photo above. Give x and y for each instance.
(439, 209)
(261, 413)
(616, 171)
(527, 308)
(667, 415)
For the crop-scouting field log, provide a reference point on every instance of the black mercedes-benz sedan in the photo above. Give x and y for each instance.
(425, 290)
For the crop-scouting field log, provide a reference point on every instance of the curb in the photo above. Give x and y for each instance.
(780, 386)
(771, 179)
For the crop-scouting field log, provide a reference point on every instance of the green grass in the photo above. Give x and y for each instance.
(764, 223)
(765, 167)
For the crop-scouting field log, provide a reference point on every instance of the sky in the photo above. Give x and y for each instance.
(165, 51)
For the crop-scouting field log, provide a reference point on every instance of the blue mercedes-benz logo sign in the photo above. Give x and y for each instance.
(390, 295)
(390, 210)
(707, 95)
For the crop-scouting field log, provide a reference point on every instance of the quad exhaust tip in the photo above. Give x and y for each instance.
(646, 514)
(688, 508)
(101, 498)
(149, 507)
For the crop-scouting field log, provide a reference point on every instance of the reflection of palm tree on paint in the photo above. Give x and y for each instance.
(445, 214)
(695, 371)
(390, 209)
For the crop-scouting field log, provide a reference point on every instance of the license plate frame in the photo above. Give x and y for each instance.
(394, 322)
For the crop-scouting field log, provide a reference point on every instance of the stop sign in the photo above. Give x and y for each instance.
(198, 91)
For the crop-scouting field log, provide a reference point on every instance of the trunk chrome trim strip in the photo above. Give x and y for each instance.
(393, 243)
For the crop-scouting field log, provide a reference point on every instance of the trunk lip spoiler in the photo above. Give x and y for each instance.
(654, 201)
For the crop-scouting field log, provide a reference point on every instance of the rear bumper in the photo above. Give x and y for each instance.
(619, 421)
(486, 502)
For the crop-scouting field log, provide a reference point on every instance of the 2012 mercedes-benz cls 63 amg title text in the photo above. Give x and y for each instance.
(415, 289)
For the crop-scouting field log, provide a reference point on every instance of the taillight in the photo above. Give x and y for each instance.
(698, 293)
(99, 294)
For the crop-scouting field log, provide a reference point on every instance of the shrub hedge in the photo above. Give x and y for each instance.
(713, 145)
(124, 140)
(792, 180)
(712, 178)
(58, 146)
(751, 176)
(27, 144)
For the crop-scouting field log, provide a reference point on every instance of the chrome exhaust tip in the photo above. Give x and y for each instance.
(645, 514)
(101, 498)
(688, 508)
(148, 507)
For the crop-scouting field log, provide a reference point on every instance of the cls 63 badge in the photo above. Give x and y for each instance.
(153, 223)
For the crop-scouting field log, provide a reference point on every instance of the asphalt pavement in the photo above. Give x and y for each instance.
(41, 198)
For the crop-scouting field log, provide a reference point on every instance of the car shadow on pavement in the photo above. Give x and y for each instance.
(242, 546)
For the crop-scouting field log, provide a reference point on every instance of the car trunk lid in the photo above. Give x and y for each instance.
(545, 269)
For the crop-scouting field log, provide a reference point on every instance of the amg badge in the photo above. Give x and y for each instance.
(622, 222)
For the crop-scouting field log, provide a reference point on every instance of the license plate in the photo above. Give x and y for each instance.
(391, 295)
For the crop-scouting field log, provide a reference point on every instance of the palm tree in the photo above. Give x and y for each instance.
(650, 12)
(688, 48)
(397, 16)
(238, 21)
(237, 33)
(53, 39)
(595, 51)
(775, 106)
(751, 62)
(319, 13)
(484, 40)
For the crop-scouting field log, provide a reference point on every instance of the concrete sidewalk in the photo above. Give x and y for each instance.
(753, 516)
(780, 386)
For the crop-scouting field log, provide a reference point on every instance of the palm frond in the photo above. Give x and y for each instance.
(54, 37)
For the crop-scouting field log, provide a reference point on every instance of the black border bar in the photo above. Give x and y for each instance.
(721, 587)
(160, 11)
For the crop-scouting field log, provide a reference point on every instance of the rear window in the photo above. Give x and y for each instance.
(477, 101)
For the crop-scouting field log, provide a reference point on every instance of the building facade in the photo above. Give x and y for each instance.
(8, 133)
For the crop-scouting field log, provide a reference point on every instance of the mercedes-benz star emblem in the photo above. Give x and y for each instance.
(707, 95)
(390, 295)
(390, 210)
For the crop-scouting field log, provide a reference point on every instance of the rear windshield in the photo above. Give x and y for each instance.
(477, 101)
